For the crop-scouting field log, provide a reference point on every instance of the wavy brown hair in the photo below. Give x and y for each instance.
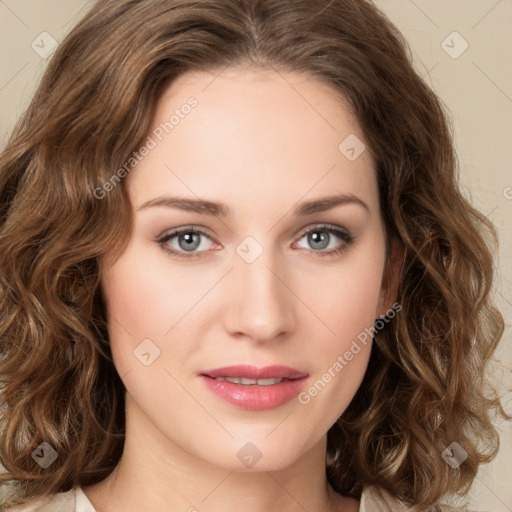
(425, 386)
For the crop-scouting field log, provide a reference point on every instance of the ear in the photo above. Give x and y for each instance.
(391, 277)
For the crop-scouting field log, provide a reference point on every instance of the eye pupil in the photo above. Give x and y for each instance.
(189, 237)
(319, 237)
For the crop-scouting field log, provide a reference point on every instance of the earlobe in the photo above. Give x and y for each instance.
(391, 277)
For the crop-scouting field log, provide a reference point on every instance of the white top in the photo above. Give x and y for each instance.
(373, 499)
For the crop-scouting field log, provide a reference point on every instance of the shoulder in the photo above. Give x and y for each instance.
(377, 499)
(61, 502)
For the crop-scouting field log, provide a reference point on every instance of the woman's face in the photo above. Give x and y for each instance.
(272, 276)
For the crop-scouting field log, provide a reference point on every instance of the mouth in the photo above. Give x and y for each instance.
(250, 375)
(254, 388)
(250, 382)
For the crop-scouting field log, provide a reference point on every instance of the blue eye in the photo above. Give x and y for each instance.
(320, 237)
(188, 240)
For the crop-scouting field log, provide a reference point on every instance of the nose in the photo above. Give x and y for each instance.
(261, 301)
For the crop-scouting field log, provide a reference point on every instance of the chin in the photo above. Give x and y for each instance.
(257, 456)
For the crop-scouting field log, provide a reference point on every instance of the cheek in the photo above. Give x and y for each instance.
(342, 347)
(345, 303)
(148, 298)
(345, 298)
(141, 306)
(143, 297)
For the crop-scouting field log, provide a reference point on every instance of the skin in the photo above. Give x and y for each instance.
(260, 142)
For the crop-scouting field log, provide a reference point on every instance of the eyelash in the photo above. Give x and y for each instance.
(347, 238)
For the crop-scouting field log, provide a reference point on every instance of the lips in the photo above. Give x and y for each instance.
(255, 389)
(251, 372)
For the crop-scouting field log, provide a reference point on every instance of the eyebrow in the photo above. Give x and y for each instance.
(216, 209)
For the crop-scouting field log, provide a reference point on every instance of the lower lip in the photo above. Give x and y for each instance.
(255, 398)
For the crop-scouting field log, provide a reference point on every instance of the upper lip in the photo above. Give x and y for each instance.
(252, 372)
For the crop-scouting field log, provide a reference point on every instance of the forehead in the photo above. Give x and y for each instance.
(257, 132)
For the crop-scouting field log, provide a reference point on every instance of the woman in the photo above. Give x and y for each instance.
(237, 270)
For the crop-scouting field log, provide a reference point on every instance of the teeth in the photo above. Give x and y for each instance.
(250, 382)
(269, 382)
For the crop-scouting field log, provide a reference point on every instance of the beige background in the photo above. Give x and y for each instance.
(475, 85)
